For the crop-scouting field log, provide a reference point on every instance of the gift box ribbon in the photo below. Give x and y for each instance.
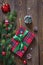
(20, 38)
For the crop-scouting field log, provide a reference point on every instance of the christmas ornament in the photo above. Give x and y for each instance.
(5, 8)
(29, 56)
(25, 62)
(35, 29)
(3, 53)
(28, 19)
(21, 41)
(6, 22)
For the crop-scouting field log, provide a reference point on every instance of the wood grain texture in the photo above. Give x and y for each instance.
(41, 30)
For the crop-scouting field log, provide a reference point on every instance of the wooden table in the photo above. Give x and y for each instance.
(35, 9)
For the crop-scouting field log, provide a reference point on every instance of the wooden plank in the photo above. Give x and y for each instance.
(33, 12)
(41, 30)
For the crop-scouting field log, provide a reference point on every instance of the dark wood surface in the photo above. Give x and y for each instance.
(41, 30)
(36, 11)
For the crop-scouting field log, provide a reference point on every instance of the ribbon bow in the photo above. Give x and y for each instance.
(20, 38)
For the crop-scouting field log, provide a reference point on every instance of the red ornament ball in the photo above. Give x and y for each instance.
(6, 22)
(3, 53)
(5, 8)
(25, 62)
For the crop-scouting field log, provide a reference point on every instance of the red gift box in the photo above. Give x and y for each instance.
(20, 47)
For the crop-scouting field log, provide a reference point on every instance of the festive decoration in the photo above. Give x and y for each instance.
(25, 62)
(3, 53)
(5, 8)
(11, 43)
(6, 33)
(12, 16)
(29, 56)
(6, 22)
(6, 57)
(28, 19)
(21, 41)
(35, 29)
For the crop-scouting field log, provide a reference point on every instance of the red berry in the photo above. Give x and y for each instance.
(25, 62)
(3, 53)
(5, 8)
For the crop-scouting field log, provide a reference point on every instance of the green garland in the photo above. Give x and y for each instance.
(5, 36)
